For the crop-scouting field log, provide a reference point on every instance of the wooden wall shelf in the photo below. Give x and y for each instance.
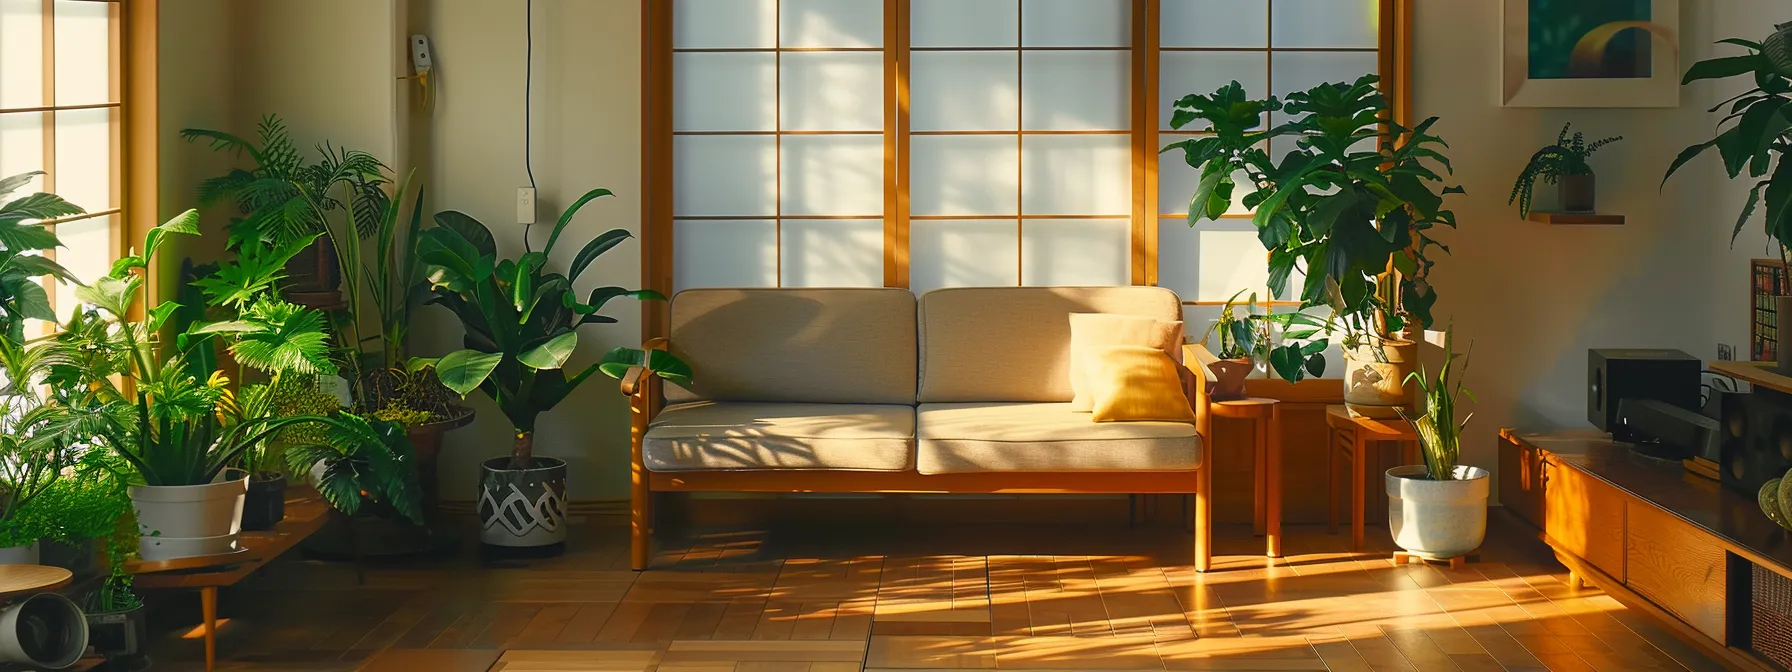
(1755, 373)
(1563, 218)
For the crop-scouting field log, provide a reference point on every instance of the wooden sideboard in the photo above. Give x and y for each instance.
(1656, 537)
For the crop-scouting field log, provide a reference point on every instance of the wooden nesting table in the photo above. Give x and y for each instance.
(1358, 439)
(1266, 441)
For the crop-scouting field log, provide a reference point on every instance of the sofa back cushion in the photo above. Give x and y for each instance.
(848, 346)
(993, 344)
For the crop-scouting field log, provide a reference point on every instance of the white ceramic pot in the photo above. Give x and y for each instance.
(44, 631)
(1437, 519)
(29, 554)
(184, 521)
(1374, 388)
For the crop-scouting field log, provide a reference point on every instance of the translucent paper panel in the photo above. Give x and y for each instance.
(87, 253)
(1077, 175)
(964, 23)
(1176, 181)
(725, 175)
(964, 175)
(833, 253)
(1076, 23)
(1211, 262)
(1076, 90)
(831, 23)
(1335, 24)
(21, 53)
(832, 92)
(84, 157)
(963, 253)
(724, 24)
(731, 253)
(833, 175)
(964, 91)
(83, 52)
(1076, 252)
(1215, 23)
(1299, 71)
(1203, 72)
(1196, 320)
(22, 147)
(724, 92)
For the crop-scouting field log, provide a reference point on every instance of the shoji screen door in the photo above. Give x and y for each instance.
(779, 143)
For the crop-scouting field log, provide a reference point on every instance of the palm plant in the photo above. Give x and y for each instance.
(521, 319)
(1440, 435)
(36, 437)
(1568, 156)
(22, 294)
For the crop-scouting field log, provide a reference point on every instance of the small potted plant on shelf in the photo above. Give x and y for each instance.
(1356, 221)
(1756, 141)
(521, 322)
(1563, 164)
(1438, 510)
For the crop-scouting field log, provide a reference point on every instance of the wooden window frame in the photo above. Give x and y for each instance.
(1394, 61)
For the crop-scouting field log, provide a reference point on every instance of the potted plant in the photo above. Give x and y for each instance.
(1563, 164)
(1756, 141)
(1240, 336)
(116, 624)
(1356, 222)
(521, 324)
(33, 451)
(1438, 510)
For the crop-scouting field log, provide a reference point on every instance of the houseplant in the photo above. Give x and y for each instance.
(34, 450)
(1356, 222)
(22, 267)
(1563, 164)
(521, 324)
(1757, 140)
(1439, 509)
(1240, 336)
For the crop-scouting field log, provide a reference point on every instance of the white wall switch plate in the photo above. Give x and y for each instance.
(525, 205)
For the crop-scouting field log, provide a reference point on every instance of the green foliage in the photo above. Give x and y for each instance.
(1440, 435)
(1568, 156)
(1755, 134)
(1240, 335)
(364, 466)
(22, 268)
(1356, 221)
(520, 318)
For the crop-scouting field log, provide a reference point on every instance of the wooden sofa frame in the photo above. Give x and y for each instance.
(646, 399)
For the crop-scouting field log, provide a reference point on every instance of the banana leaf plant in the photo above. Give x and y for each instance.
(522, 319)
(22, 266)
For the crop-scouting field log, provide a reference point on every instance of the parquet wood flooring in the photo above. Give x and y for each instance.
(945, 598)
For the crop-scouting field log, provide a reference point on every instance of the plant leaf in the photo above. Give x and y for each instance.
(464, 370)
(552, 354)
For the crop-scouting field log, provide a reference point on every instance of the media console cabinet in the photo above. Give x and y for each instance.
(1661, 540)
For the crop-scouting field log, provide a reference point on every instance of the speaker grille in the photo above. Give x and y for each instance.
(1772, 617)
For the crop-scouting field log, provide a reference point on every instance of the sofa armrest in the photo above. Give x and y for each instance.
(1194, 358)
(636, 379)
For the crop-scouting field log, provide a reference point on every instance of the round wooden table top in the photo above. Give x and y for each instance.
(1248, 407)
(16, 580)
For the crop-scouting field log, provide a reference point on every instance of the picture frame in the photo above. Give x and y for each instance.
(1590, 53)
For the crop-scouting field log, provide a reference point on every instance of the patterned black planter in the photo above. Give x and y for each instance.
(523, 509)
(265, 503)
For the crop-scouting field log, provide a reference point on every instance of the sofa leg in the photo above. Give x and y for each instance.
(1203, 518)
(640, 542)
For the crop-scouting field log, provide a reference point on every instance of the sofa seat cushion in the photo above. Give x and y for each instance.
(1049, 437)
(708, 435)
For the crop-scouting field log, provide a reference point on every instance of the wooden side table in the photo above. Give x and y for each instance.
(1266, 440)
(1356, 439)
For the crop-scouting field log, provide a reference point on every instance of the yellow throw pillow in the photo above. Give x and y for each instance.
(1137, 383)
(1090, 333)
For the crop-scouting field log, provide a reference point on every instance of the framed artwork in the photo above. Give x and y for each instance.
(1590, 53)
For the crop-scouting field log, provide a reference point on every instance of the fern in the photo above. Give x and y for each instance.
(1568, 156)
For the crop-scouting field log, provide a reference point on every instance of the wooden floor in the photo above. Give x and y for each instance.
(1003, 597)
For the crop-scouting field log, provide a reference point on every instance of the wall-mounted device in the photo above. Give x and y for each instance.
(1614, 375)
(423, 65)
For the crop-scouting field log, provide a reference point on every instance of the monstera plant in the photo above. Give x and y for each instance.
(521, 322)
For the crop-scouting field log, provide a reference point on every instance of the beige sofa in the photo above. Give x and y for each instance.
(873, 390)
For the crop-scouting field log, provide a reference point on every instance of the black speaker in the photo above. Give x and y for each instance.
(1757, 439)
(1616, 374)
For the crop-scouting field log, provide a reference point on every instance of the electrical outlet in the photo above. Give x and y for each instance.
(525, 205)
(1725, 352)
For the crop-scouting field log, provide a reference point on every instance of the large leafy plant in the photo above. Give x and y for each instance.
(36, 441)
(521, 319)
(1568, 156)
(1351, 206)
(1757, 131)
(1440, 434)
(22, 264)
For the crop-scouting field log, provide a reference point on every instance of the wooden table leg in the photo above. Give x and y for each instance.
(208, 607)
(1359, 457)
(1259, 475)
(1274, 476)
(1333, 447)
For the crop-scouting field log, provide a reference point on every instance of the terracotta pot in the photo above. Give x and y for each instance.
(1229, 376)
(1577, 192)
(426, 444)
(1375, 386)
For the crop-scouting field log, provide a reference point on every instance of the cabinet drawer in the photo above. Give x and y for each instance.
(1521, 480)
(1678, 568)
(1584, 516)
